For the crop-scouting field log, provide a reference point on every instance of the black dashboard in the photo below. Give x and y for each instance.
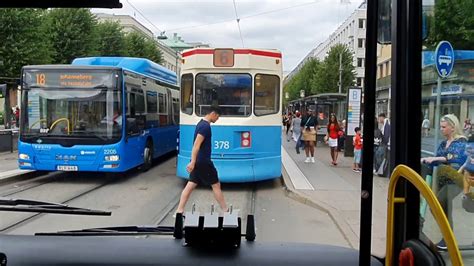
(159, 250)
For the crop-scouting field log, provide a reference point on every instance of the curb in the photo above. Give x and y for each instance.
(11, 175)
(346, 231)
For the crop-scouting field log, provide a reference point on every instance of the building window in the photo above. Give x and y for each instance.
(360, 43)
(381, 71)
(387, 68)
(361, 23)
(360, 62)
(359, 82)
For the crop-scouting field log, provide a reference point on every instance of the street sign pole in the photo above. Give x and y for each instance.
(444, 62)
(437, 114)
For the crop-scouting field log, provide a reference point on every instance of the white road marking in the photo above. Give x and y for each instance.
(297, 177)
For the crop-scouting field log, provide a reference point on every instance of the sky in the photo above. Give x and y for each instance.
(293, 27)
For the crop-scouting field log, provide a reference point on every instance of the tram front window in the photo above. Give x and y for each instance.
(231, 92)
(447, 102)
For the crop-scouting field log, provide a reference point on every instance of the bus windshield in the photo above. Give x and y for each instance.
(231, 92)
(94, 114)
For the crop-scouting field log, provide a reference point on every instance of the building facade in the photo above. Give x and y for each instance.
(384, 79)
(351, 33)
(171, 59)
(178, 44)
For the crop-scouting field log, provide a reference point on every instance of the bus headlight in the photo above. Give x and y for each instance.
(24, 156)
(112, 158)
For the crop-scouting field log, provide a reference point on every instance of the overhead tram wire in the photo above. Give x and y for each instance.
(238, 24)
(244, 17)
(139, 12)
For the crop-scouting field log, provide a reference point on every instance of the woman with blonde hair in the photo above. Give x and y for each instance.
(450, 153)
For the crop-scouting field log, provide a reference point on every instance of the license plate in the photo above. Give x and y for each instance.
(67, 168)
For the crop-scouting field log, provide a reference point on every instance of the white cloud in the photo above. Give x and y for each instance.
(294, 31)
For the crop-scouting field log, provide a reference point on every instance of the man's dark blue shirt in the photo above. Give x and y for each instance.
(204, 154)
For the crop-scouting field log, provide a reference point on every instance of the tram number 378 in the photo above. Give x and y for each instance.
(221, 144)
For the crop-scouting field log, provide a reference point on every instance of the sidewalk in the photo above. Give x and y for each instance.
(9, 165)
(336, 190)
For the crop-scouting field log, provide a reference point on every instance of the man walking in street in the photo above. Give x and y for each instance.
(201, 168)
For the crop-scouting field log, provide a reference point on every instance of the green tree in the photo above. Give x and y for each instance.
(304, 80)
(110, 39)
(141, 46)
(316, 77)
(452, 21)
(24, 40)
(72, 34)
(328, 77)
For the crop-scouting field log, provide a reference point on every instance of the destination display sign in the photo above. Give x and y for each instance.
(68, 79)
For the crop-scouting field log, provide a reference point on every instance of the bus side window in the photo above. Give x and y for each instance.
(152, 109)
(162, 109)
(140, 109)
(176, 110)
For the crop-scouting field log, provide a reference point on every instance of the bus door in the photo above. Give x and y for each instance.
(166, 135)
(135, 125)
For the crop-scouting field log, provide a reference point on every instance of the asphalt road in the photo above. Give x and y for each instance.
(150, 198)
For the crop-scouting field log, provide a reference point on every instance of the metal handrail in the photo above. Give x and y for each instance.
(405, 172)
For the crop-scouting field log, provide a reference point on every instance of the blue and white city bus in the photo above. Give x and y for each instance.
(246, 85)
(106, 114)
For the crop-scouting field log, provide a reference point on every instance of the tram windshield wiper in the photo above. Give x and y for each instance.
(25, 205)
(115, 231)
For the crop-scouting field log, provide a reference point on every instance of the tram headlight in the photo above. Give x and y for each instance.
(112, 158)
(24, 156)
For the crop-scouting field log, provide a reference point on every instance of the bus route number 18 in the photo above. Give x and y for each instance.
(221, 144)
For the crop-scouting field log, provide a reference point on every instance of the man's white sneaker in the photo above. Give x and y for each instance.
(312, 160)
(307, 160)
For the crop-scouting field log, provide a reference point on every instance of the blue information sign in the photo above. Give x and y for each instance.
(444, 59)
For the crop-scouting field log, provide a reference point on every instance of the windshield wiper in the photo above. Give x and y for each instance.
(114, 231)
(25, 205)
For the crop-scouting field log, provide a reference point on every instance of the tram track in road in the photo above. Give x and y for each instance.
(245, 203)
(17, 187)
(31, 217)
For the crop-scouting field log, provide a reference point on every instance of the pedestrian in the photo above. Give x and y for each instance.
(332, 136)
(201, 167)
(467, 127)
(384, 147)
(450, 154)
(17, 116)
(309, 127)
(425, 125)
(378, 151)
(296, 122)
(289, 118)
(341, 136)
(467, 169)
(357, 142)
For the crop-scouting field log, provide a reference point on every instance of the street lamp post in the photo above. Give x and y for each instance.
(340, 72)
